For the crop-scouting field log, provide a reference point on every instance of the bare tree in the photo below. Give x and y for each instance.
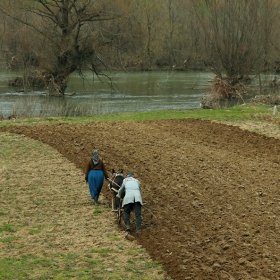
(175, 36)
(236, 34)
(68, 34)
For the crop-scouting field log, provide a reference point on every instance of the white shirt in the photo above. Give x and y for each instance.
(131, 187)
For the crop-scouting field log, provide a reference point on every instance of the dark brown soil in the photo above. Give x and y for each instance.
(213, 188)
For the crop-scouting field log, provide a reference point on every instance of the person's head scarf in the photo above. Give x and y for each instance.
(130, 174)
(95, 157)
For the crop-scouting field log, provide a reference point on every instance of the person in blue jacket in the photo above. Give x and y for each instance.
(132, 200)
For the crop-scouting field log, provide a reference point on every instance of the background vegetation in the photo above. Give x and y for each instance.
(51, 39)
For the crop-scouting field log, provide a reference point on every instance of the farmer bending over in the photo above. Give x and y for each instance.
(132, 200)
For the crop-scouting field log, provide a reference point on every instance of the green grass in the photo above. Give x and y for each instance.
(8, 228)
(96, 212)
(34, 231)
(237, 113)
(58, 267)
(136, 252)
(9, 239)
(62, 266)
(20, 268)
(114, 237)
(102, 251)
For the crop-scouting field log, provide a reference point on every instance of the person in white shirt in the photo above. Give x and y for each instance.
(132, 200)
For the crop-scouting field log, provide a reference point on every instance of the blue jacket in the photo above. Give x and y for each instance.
(131, 187)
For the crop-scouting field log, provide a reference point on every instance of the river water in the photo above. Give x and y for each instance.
(131, 92)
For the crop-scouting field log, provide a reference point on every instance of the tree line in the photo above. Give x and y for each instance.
(50, 39)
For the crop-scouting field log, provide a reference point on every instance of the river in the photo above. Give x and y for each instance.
(131, 92)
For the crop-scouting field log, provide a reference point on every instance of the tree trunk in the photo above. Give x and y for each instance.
(260, 83)
(57, 84)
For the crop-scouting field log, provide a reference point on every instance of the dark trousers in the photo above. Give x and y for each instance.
(136, 208)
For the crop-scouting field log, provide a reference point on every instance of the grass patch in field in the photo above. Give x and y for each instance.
(34, 231)
(102, 251)
(8, 228)
(21, 268)
(97, 212)
(236, 113)
(136, 252)
(34, 267)
(89, 256)
(9, 239)
(94, 262)
(2, 213)
(114, 237)
(150, 264)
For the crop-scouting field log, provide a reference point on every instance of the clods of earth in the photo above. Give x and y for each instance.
(212, 190)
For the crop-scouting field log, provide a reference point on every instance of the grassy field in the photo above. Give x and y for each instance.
(232, 114)
(49, 227)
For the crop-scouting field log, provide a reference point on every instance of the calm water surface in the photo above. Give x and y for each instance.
(131, 92)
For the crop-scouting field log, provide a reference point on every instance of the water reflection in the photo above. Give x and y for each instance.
(131, 92)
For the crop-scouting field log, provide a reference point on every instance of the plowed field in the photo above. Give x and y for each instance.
(214, 190)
